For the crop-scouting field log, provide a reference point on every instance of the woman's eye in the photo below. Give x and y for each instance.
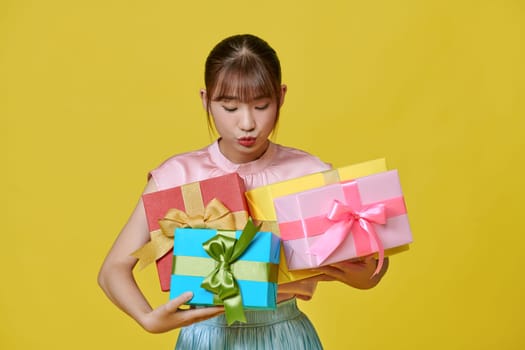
(263, 107)
(229, 109)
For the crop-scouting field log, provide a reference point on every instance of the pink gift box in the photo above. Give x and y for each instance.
(342, 221)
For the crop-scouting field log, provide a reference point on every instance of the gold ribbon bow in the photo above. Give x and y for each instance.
(215, 216)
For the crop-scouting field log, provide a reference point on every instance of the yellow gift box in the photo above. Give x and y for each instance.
(260, 201)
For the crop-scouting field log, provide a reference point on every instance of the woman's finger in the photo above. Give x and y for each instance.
(356, 265)
(187, 317)
(174, 304)
(332, 271)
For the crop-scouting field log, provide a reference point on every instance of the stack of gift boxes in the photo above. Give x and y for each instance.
(232, 247)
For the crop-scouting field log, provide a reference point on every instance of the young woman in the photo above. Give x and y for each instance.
(243, 96)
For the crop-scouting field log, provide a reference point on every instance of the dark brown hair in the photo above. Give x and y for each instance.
(242, 66)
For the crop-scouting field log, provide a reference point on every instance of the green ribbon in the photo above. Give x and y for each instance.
(221, 281)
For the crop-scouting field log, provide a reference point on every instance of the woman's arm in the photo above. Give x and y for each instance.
(357, 274)
(117, 281)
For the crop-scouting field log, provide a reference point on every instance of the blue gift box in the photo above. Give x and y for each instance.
(255, 270)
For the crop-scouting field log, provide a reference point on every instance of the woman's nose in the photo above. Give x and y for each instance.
(247, 121)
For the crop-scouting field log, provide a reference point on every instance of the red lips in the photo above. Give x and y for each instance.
(247, 141)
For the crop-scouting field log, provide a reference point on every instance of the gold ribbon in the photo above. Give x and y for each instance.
(214, 215)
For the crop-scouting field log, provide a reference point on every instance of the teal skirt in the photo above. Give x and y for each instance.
(285, 328)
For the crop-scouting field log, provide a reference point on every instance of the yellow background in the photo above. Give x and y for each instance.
(96, 93)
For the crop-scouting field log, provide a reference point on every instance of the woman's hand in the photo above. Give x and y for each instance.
(168, 316)
(302, 289)
(355, 273)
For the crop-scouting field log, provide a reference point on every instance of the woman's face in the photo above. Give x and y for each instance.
(244, 127)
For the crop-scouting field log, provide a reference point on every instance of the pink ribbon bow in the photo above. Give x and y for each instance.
(346, 219)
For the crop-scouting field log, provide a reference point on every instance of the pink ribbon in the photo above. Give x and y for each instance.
(347, 220)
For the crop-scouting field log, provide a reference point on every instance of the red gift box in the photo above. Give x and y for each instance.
(217, 203)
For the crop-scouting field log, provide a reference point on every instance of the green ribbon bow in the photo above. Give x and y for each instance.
(221, 281)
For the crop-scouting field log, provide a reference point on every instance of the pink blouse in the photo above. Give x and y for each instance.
(278, 163)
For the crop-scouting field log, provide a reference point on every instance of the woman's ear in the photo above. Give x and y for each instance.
(284, 88)
(204, 99)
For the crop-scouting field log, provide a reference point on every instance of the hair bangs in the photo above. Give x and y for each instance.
(245, 83)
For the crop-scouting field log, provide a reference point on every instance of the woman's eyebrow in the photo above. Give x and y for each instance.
(261, 97)
(236, 98)
(226, 98)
